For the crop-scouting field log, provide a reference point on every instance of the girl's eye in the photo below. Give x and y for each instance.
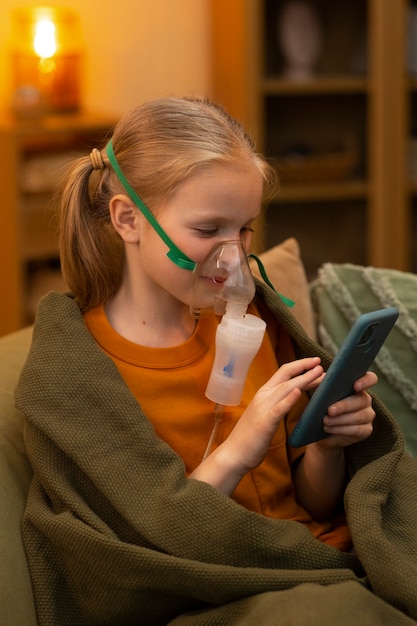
(207, 232)
(246, 232)
(213, 232)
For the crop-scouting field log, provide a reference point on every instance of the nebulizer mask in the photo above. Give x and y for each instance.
(223, 283)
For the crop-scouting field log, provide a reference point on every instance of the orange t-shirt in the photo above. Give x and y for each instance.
(170, 383)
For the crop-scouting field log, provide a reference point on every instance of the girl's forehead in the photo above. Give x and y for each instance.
(217, 194)
(222, 177)
(223, 182)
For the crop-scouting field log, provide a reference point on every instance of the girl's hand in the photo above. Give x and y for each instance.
(247, 444)
(251, 437)
(320, 476)
(351, 420)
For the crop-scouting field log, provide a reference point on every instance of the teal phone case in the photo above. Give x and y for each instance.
(352, 361)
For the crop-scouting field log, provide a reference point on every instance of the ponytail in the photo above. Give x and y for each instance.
(91, 251)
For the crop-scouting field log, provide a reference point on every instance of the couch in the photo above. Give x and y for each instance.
(16, 600)
(326, 308)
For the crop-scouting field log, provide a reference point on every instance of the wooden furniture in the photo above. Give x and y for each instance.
(33, 154)
(360, 94)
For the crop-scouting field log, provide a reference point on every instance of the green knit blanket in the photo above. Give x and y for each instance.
(115, 534)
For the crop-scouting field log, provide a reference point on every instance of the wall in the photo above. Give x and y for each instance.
(135, 50)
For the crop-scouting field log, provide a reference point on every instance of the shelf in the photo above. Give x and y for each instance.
(360, 90)
(321, 229)
(33, 154)
(325, 192)
(80, 123)
(317, 85)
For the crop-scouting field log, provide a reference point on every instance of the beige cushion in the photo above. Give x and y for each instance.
(16, 600)
(286, 272)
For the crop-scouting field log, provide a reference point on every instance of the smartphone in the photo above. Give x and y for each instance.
(352, 361)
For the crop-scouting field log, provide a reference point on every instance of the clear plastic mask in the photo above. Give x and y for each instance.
(223, 278)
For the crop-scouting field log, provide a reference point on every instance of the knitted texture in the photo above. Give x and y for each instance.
(115, 534)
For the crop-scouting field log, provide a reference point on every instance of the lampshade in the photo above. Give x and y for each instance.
(46, 51)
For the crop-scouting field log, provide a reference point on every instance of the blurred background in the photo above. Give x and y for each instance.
(328, 90)
(133, 50)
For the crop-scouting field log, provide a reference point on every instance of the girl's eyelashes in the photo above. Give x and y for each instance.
(213, 232)
(206, 232)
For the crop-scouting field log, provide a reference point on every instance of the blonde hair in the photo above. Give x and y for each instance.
(158, 145)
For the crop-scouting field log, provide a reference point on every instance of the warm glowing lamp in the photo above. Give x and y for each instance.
(46, 55)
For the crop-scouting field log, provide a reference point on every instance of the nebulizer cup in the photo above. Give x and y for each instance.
(224, 276)
(224, 283)
(238, 340)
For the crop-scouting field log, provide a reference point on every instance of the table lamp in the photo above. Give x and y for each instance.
(46, 55)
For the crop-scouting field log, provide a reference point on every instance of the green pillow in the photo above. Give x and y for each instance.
(340, 294)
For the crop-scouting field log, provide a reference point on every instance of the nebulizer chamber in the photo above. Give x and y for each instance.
(238, 340)
(225, 284)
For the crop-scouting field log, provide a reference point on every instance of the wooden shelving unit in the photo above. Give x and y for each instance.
(360, 89)
(33, 154)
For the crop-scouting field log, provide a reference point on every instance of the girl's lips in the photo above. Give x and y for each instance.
(214, 281)
(220, 275)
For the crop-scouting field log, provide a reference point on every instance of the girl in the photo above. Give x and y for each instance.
(177, 179)
(197, 172)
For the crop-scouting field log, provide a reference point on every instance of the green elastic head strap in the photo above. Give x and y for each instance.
(262, 270)
(174, 253)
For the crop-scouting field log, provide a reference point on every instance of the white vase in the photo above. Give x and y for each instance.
(299, 33)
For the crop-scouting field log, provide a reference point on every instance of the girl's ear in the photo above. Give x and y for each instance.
(124, 216)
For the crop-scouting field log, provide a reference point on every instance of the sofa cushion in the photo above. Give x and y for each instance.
(286, 272)
(344, 291)
(16, 600)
